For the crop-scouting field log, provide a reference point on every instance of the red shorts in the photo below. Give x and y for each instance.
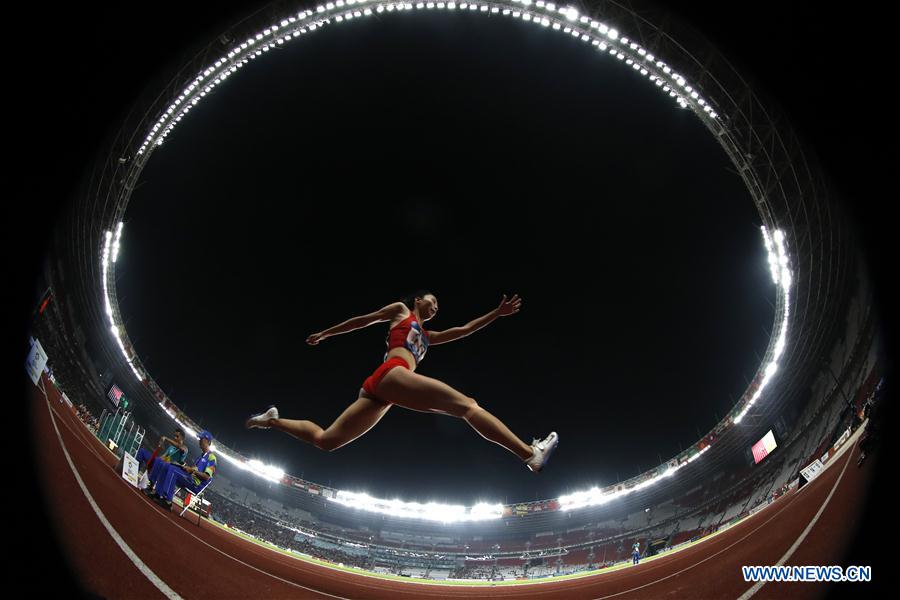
(371, 383)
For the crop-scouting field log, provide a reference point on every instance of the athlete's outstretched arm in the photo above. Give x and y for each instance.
(507, 307)
(385, 314)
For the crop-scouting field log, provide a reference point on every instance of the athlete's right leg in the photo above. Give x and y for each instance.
(357, 419)
(417, 392)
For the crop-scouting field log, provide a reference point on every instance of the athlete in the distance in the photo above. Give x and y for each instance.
(407, 343)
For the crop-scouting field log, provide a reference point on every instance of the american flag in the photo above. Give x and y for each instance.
(115, 394)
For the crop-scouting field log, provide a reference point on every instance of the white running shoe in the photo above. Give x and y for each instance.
(542, 451)
(262, 419)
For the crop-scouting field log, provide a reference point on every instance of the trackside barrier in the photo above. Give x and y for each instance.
(810, 471)
(132, 440)
(106, 419)
(104, 416)
(119, 429)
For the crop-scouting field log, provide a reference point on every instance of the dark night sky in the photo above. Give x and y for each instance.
(474, 157)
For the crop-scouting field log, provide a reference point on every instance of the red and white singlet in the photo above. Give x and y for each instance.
(408, 334)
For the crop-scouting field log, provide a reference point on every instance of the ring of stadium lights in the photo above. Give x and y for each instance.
(563, 19)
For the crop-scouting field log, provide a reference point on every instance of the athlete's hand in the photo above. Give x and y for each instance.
(509, 307)
(314, 339)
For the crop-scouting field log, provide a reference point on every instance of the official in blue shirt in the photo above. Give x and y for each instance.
(170, 477)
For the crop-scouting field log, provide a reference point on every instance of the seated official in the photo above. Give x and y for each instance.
(175, 452)
(170, 476)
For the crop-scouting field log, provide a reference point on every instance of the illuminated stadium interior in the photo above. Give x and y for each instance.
(567, 21)
(806, 245)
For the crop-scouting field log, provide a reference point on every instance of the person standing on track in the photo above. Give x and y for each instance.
(636, 553)
(407, 343)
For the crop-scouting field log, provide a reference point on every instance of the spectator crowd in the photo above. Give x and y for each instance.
(268, 529)
(92, 422)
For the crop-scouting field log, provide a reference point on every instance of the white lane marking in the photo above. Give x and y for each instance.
(251, 566)
(136, 560)
(620, 593)
(792, 549)
(837, 456)
(149, 574)
(786, 506)
(85, 442)
(761, 525)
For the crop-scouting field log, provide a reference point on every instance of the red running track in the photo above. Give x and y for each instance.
(121, 545)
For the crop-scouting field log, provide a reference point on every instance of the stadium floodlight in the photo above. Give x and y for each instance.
(431, 511)
(341, 11)
(772, 254)
(770, 371)
(786, 278)
(783, 262)
(265, 471)
(697, 455)
(115, 246)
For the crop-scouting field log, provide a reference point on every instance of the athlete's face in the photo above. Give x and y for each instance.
(428, 307)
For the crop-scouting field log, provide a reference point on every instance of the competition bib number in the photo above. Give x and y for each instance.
(416, 343)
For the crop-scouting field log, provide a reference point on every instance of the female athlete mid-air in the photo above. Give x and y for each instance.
(407, 343)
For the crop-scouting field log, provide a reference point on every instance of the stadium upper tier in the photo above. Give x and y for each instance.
(672, 514)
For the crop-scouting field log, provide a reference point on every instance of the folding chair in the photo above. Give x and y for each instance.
(193, 498)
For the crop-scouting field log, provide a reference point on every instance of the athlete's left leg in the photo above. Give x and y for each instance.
(417, 392)
(357, 419)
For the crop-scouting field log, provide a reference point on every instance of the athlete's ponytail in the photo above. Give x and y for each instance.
(410, 301)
